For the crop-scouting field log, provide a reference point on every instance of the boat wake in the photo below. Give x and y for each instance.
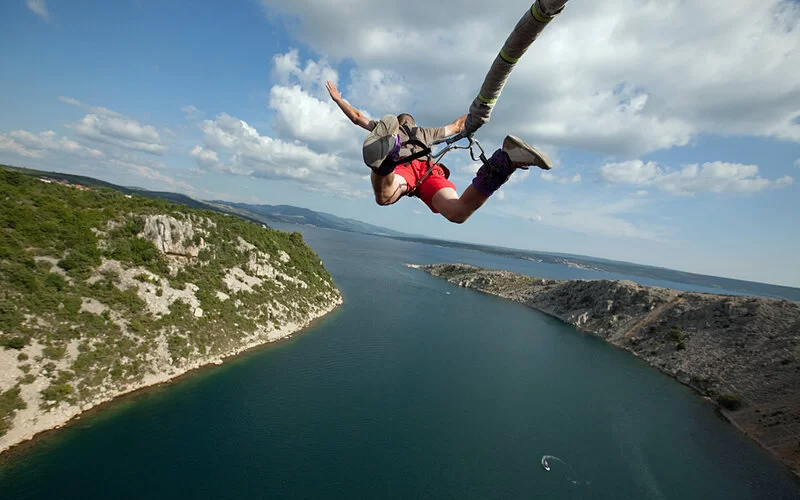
(561, 468)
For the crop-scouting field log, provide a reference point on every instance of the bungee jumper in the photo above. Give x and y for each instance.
(399, 152)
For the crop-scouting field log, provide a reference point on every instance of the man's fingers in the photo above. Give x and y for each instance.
(331, 88)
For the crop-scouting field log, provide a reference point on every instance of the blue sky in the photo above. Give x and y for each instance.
(675, 127)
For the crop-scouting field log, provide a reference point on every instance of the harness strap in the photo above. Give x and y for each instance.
(389, 164)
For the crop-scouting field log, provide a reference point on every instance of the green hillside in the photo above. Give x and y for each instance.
(101, 289)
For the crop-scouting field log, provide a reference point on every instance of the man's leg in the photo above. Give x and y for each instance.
(514, 154)
(388, 188)
(458, 208)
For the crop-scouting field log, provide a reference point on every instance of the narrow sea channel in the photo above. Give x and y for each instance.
(413, 388)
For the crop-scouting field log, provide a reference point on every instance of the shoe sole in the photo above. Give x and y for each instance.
(546, 164)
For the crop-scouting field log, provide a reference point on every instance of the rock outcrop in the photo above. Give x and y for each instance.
(173, 237)
(741, 352)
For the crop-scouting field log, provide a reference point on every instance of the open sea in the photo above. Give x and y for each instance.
(413, 388)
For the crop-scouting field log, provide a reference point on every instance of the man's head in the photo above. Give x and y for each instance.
(381, 142)
(406, 119)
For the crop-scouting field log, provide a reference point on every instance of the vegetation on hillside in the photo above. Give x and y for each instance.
(90, 329)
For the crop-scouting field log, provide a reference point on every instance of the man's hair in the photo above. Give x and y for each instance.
(406, 119)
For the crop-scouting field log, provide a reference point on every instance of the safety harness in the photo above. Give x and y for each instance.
(393, 161)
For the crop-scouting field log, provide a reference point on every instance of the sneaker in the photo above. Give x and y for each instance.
(523, 155)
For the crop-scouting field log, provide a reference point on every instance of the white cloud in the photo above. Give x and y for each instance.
(132, 166)
(715, 177)
(190, 111)
(302, 116)
(109, 127)
(312, 77)
(39, 8)
(586, 215)
(119, 131)
(233, 146)
(98, 110)
(10, 145)
(380, 89)
(70, 100)
(48, 147)
(24, 143)
(304, 111)
(631, 172)
(206, 158)
(614, 77)
(550, 177)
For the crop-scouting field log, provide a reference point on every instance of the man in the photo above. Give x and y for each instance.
(392, 140)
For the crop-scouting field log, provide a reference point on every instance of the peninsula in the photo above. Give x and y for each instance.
(743, 353)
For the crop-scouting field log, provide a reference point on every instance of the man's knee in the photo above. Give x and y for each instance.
(384, 199)
(456, 214)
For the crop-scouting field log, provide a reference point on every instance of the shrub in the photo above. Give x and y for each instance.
(730, 401)
(81, 260)
(54, 280)
(57, 392)
(54, 352)
(677, 334)
(10, 402)
(143, 277)
(22, 357)
(14, 342)
(10, 317)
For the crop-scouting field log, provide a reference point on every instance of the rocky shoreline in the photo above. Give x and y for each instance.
(31, 422)
(743, 353)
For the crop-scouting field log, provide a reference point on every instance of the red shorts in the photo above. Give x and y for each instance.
(416, 170)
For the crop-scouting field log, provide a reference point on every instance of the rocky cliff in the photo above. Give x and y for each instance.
(102, 294)
(741, 352)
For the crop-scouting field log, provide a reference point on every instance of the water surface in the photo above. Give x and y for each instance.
(413, 388)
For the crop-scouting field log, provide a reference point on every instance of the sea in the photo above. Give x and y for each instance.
(414, 388)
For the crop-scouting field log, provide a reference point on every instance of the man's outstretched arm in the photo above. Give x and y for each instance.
(456, 127)
(352, 113)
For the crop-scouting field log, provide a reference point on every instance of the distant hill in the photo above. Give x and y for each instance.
(295, 215)
(624, 268)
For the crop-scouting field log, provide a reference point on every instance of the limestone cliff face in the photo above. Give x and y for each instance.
(743, 352)
(173, 237)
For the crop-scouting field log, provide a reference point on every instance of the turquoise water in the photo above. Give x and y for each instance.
(414, 388)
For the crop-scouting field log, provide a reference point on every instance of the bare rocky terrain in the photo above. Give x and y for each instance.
(743, 353)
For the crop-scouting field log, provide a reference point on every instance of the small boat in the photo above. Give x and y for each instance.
(545, 464)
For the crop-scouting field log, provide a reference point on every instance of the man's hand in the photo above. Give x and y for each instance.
(352, 113)
(456, 127)
(333, 91)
